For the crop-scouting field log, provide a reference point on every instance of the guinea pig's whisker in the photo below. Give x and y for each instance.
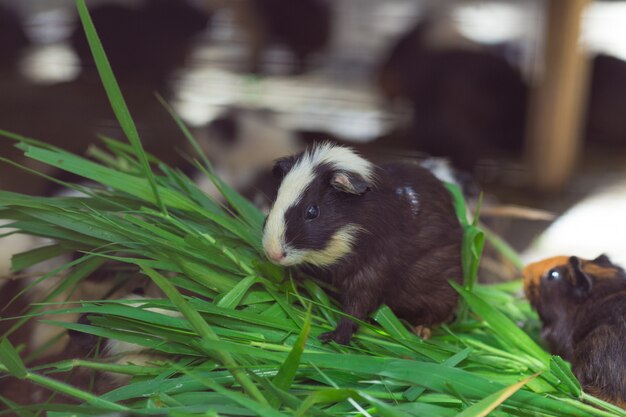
(291, 241)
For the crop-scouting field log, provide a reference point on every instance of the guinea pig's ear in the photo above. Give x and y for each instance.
(583, 282)
(349, 182)
(603, 260)
(283, 166)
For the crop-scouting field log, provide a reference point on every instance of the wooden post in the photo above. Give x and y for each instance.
(556, 116)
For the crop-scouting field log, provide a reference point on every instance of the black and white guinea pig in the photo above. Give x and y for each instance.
(380, 234)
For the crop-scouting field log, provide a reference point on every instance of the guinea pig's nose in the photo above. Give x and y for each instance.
(276, 256)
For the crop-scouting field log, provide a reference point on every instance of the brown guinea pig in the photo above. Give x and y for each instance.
(582, 304)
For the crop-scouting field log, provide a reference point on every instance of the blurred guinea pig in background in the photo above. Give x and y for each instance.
(304, 28)
(51, 343)
(13, 42)
(146, 42)
(468, 103)
(111, 280)
(582, 305)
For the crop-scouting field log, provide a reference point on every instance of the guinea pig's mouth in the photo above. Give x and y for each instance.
(287, 262)
(284, 260)
(277, 254)
(284, 255)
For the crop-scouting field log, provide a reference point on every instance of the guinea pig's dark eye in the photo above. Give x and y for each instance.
(553, 275)
(312, 212)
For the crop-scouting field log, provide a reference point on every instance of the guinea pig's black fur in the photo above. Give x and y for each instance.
(582, 304)
(390, 236)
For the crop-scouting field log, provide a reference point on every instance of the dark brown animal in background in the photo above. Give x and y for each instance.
(468, 103)
(13, 41)
(113, 280)
(606, 124)
(145, 45)
(582, 304)
(379, 234)
(304, 27)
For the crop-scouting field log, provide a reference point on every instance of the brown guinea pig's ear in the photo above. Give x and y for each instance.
(283, 166)
(583, 282)
(349, 182)
(603, 260)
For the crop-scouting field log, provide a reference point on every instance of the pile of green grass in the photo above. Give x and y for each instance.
(246, 343)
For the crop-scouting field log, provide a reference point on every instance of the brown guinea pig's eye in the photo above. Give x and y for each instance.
(553, 275)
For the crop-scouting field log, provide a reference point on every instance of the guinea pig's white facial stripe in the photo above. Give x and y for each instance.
(340, 245)
(289, 194)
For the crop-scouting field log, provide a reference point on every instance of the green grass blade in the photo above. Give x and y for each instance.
(471, 252)
(202, 327)
(459, 203)
(384, 409)
(504, 327)
(260, 408)
(32, 257)
(503, 247)
(246, 209)
(232, 298)
(11, 359)
(562, 371)
(138, 187)
(115, 96)
(613, 410)
(69, 390)
(485, 406)
(16, 408)
(329, 395)
(287, 371)
(385, 317)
